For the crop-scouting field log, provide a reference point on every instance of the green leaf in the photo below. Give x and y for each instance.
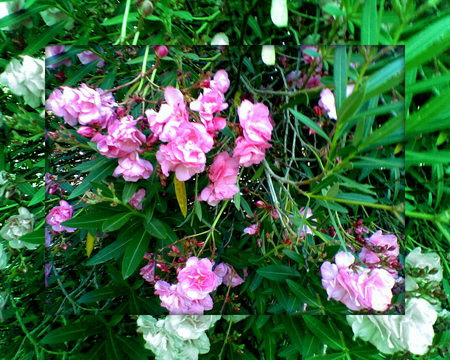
(350, 106)
(428, 119)
(294, 256)
(97, 175)
(379, 163)
(156, 228)
(335, 356)
(391, 132)
(80, 74)
(311, 124)
(278, 272)
(311, 345)
(132, 17)
(427, 85)
(91, 165)
(38, 197)
(114, 350)
(90, 221)
(323, 332)
(295, 332)
(135, 252)
(116, 222)
(185, 15)
(398, 106)
(303, 294)
(246, 206)
(428, 43)
(333, 10)
(132, 348)
(253, 23)
(104, 293)
(237, 201)
(356, 197)
(73, 50)
(128, 191)
(34, 237)
(19, 16)
(385, 78)
(111, 251)
(369, 23)
(45, 38)
(340, 75)
(73, 331)
(432, 157)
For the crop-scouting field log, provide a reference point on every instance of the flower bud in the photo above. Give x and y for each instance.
(160, 50)
(144, 7)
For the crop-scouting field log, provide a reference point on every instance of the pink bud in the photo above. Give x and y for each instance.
(259, 204)
(160, 50)
(86, 131)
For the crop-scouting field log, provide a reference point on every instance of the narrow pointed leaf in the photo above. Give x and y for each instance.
(135, 252)
(116, 222)
(180, 191)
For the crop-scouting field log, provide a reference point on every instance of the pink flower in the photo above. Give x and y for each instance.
(177, 303)
(213, 194)
(185, 154)
(313, 81)
(160, 50)
(86, 131)
(274, 214)
(64, 104)
(208, 104)
(327, 101)
(255, 121)
(56, 50)
(123, 138)
(59, 214)
(133, 168)
(248, 152)
(310, 59)
(148, 271)
(197, 280)
(357, 287)
(88, 56)
(306, 229)
(252, 229)
(89, 104)
(170, 116)
(137, 199)
(225, 271)
(221, 82)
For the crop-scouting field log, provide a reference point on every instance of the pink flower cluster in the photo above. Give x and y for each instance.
(223, 177)
(191, 295)
(83, 106)
(257, 128)
(298, 78)
(380, 248)
(59, 214)
(229, 276)
(211, 102)
(355, 286)
(188, 142)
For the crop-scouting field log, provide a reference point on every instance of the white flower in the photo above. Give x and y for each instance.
(177, 337)
(268, 54)
(53, 16)
(393, 333)
(220, 39)
(17, 226)
(188, 327)
(3, 258)
(279, 13)
(26, 79)
(417, 260)
(10, 7)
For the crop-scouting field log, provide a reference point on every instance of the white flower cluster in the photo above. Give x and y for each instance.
(17, 226)
(26, 79)
(414, 331)
(177, 337)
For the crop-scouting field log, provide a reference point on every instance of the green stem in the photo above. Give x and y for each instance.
(208, 18)
(123, 36)
(144, 66)
(226, 338)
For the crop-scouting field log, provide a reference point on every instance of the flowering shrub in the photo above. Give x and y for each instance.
(188, 182)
